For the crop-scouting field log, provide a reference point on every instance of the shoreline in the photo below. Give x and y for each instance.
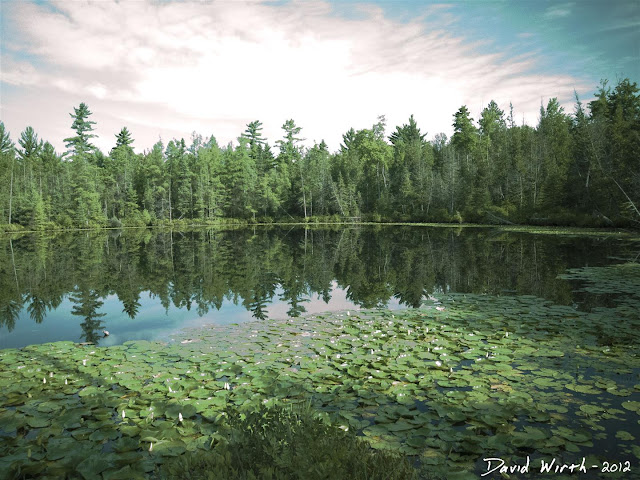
(180, 227)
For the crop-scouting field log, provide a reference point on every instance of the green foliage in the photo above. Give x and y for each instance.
(287, 443)
(39, 218)
(123, 139)
(114, 223)
(9, 228)
(532, 377)
(464, 137)
(79, 145)
(578, 168)
(30, 144)
(6, 145)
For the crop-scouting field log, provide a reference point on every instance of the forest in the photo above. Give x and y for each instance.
(579, 168)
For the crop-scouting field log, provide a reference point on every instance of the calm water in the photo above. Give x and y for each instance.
(148, 285)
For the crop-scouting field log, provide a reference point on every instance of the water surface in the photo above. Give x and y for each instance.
(149, 284)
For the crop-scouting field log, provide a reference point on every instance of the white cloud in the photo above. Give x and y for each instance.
(559, 11)
(171, 68)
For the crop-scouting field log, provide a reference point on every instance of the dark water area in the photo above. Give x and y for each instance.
(144, 284)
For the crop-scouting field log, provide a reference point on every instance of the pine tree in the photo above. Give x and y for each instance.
(6, 165)
(465, 133)
(555, 150)
(123, 139)
(79, 144)
(412, 170)
(293, 177)
(492, 151)
(85, 194)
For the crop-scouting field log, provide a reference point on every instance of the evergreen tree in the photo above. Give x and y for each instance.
(30, 144)
(7, 158)
(615, 138)
(179, 179)
(85, 207)
(6, 145)
(239, 179)
(123, 139)
(465, 134)
(492, 147)
(253, 134)
(412, 169)
(79, 144)
(290, 179)
(555, 150)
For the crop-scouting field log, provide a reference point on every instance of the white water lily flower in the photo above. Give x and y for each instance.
(44, 379)
(50, 374)
(84, 362)
(151, 446)
(170, 391)
(438, 363)
(123, 415)
(344, 427)
(180, 417)
(65, 381)
(227, 386)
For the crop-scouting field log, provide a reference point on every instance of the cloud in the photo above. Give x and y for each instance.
(168, 69)
(559, 11)
(625, 24)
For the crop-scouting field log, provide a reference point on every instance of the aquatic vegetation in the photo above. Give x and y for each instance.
(459, 379)
(287, 443)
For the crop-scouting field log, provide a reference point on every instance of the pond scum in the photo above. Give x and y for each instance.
(463, 378)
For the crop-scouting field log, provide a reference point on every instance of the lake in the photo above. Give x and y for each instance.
(148, 284)
(449, 345)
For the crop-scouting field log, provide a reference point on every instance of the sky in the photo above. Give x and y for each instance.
(167, 69)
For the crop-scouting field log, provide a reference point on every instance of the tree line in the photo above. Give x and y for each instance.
(580, 168)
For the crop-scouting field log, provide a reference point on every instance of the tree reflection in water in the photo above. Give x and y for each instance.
(206, 267)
